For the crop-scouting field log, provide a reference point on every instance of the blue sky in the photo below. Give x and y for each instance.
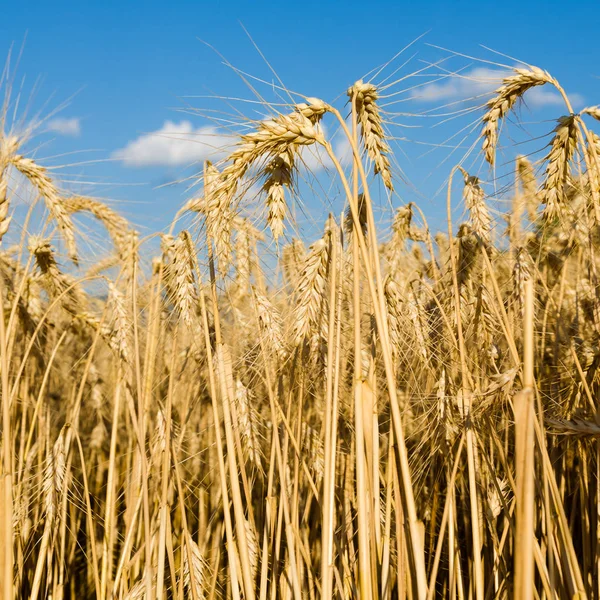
(130, 68)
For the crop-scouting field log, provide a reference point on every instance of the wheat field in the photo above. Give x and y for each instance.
(380, 410)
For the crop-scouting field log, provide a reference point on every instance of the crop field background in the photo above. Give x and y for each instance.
(304, 385)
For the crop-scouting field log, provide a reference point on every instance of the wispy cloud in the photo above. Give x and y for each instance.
(315, 158)
(174, 144)
(479, 82)
(69, 127)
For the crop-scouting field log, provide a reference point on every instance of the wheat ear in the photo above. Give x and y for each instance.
(117, 226)
(562, 148)
(279, 176)
(53, 279)
(512, 88)
(271, 326)
(311, 289)
(39, 178)
(8, 147)
(273, 137)
(529, 186)
(365, 96)
(592, 111)
(182, 277)
(474, 196)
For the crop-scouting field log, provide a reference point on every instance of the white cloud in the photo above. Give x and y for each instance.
(343, 151)
(481, 81)
(174, 144)
(70, 127)
(315, 157)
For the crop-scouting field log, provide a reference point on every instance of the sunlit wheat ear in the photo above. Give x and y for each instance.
(279, 176)
(417, 318)
(592, 111)
(292, 257)
(498, 497)
(119, 324)
(365, 96)
(54, 477)
(21, 522)
(529, 186)
(522, 272)
(53, 280)
(200, 569)
(592, 149)
(313, 446)
(272, 137)
(4, 218)
(479, 217)
(271, 326)
(159, 438)
(595, 141)
(4, 205)
(8, 148)
(117, 226)
(313, 109)
(39, 178)
(218, 216)
(401, 226)
(247, 424)
(179, 261)
(138, 591)
(512, 88)
(393, 298)
(562, 148)
(311, 289)
(253, 547)
(182, 277)
(242, 256)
